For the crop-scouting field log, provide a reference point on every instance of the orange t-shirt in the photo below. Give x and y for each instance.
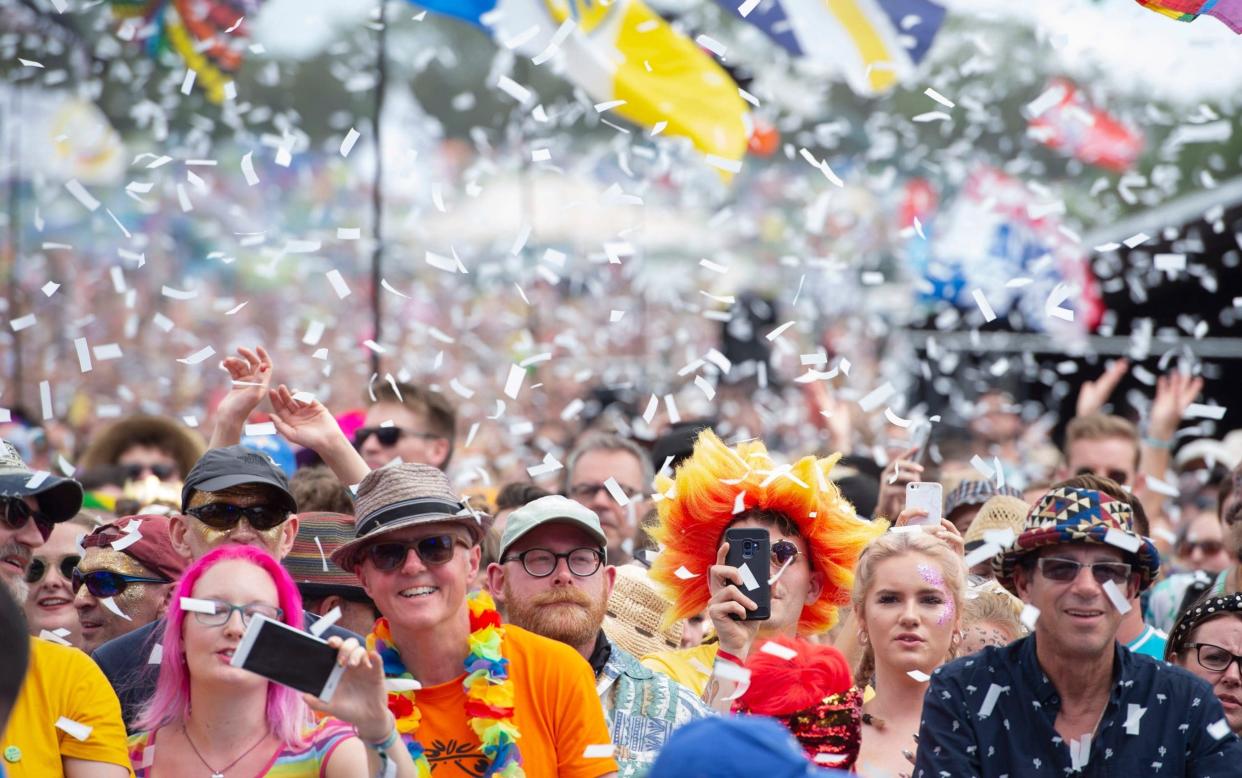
(556, 710)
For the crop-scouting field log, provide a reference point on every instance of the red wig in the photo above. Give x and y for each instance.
(704, 500)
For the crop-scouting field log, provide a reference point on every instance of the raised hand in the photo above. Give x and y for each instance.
(725, 583)
(893, 480)
(360, 698)
(250, 373)
(1093, 394)
(308, 423)
(1175, 391)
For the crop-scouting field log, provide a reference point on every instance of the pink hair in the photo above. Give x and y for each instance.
(170, 705)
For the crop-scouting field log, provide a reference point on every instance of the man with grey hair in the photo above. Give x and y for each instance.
(611, 475)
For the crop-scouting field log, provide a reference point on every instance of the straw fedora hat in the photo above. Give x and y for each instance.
(635, 611)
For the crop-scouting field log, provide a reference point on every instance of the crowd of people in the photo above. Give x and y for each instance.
(706, 603)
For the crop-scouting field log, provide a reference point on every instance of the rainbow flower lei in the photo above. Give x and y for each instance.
(489, 692)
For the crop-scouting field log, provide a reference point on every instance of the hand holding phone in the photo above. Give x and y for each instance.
(290, 657)
(750, 551)
(925, 496)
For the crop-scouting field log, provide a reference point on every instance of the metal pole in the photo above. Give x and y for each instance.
(13, 129)
(377, 190)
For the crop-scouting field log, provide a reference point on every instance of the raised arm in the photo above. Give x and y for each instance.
(250, 373)
(308, 424)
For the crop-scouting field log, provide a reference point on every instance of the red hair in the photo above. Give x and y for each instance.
(781, 687)
(698, 507)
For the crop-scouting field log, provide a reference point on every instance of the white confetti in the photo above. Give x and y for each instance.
(513, 384)
(933, 94)
(197, 606)
(1201, 411)
(247, 167)
(981, 465)
(157, 654)
(599, 751)
(326, 620)
(896, 420)
(50, 288)
(111, 605)
(748, 577)
(45, 400)
(187, 83)
(23, 322)
(54, 636)
(1029, 616)
(347, 145)
(1136, 240)
(178, 294)
(685, 574)
(401, 685)
(919, 676)
(549, 465)
(777, 650)
(990, 699)
(982, 554)
(877, 397)
(705, 386)
(1134, 713)
(932, 116)
(1116, 597)
(614, 489)
(727, 165)
(348, 233)
(1122, 540)
(338, 284)
(198, 356)
(712, 45)
(261, 429)
(126, 540)
(75, 729)
(1219, 730)
(989, 315)
(81, 195)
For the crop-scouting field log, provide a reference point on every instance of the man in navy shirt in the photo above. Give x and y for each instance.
(1069, 699)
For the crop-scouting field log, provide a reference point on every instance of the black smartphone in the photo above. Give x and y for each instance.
(750, 551)
(289, 657)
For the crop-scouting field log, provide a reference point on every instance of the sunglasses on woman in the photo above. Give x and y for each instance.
(17, 513)
(108, 583)
(432, 551)
(222, 515)
(39, 567)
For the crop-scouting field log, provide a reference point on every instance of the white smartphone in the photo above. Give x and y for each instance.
(289, 657)
(927, 496)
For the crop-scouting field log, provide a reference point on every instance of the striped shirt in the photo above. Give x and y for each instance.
(301, 761)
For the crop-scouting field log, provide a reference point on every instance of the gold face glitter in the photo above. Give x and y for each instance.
(243, 496)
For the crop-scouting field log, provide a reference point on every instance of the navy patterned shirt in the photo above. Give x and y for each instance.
(992, 714)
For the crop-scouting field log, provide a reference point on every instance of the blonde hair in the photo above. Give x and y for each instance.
(990, 604)
(890, 546)
(1101, 426)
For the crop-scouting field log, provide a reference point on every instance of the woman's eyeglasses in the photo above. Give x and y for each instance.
(388, 436)
(1065, 570)
(541, 563)
(1205, 547)
(1215, 658)
(224, 611)
(107, 583)
(432, 551)
(39, 567)
(161, 471)
(17, 513)
(222, 515)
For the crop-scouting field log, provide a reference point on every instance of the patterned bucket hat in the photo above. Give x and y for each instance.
(1071, 515)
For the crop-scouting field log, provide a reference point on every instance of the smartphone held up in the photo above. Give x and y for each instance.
(750, 551)
(925, 496)
(290, 657)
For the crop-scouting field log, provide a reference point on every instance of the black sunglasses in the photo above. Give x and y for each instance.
(222, 515)
(39, 567)
(388, 436)
(432, 551)
(134, 472)
(1065, 570)
(17, 513)
(783, 552)
(107, 583)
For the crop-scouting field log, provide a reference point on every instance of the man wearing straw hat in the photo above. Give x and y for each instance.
(1070, 698)
(469, 694)
(552, 578)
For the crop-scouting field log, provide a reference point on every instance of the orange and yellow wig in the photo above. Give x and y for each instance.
(705, 499)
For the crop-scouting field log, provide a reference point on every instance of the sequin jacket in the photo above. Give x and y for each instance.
(993, 713)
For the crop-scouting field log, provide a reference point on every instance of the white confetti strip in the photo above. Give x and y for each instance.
(896, 420)
(111, 605)
(1116, 597)
(727, 165)
(23, 322)
(261, 429)
(705, 386)
(187, 83)
(54, 637)
(157, 654)
(402, 685)
(45, 400)
(614, 489)
(684, 574)
(1134, 712)
(513, 384)
(338, 284)
(347, 145)
(84, 355)
(712, 45)
(348, 233)
(81, 195)
(919, 676)
(739, 503)
(247, 168)
(1219, 730)
(982, 554)
(748, 577)
(1201, 411)
(197, 606)
(777, 650)
(514, 89)
(1122, 540)
(37, 479)
(984, 306)
(599, 751)
(75, 729)
(877, 397)
(981, 465)
(198, 356)
(670, 407)
(50, 288)
(990, 699)
(549, 465)
(326, 620)
(1029, 616)
(1136, 240)
(933, 94)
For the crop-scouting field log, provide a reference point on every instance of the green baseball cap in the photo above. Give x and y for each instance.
(548, 509)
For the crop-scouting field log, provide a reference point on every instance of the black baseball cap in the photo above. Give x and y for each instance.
(59, 498)
(221, 468)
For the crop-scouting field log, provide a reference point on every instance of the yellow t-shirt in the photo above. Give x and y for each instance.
(556, 710)
(62, 682)
(690, 667)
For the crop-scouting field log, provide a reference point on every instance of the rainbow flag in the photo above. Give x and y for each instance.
(626, 58)
(1227, 11)
(875, 44)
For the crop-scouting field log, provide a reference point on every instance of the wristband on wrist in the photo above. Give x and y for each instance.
(725, 655)
(385, 744)
(1167, 445)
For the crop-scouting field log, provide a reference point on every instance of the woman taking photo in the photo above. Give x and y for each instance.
(907, 590)
(214, 720)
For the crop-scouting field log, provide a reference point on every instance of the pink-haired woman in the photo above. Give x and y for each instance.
(212, 719)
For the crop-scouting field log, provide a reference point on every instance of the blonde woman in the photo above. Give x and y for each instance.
(908, 589)
(991, 616)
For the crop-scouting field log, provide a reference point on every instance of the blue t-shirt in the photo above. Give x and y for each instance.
(1150, 642)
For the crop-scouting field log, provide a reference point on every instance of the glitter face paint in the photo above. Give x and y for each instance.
(245, 496)
(933, 577)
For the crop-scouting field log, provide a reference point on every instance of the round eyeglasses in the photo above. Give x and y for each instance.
(541, 563)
